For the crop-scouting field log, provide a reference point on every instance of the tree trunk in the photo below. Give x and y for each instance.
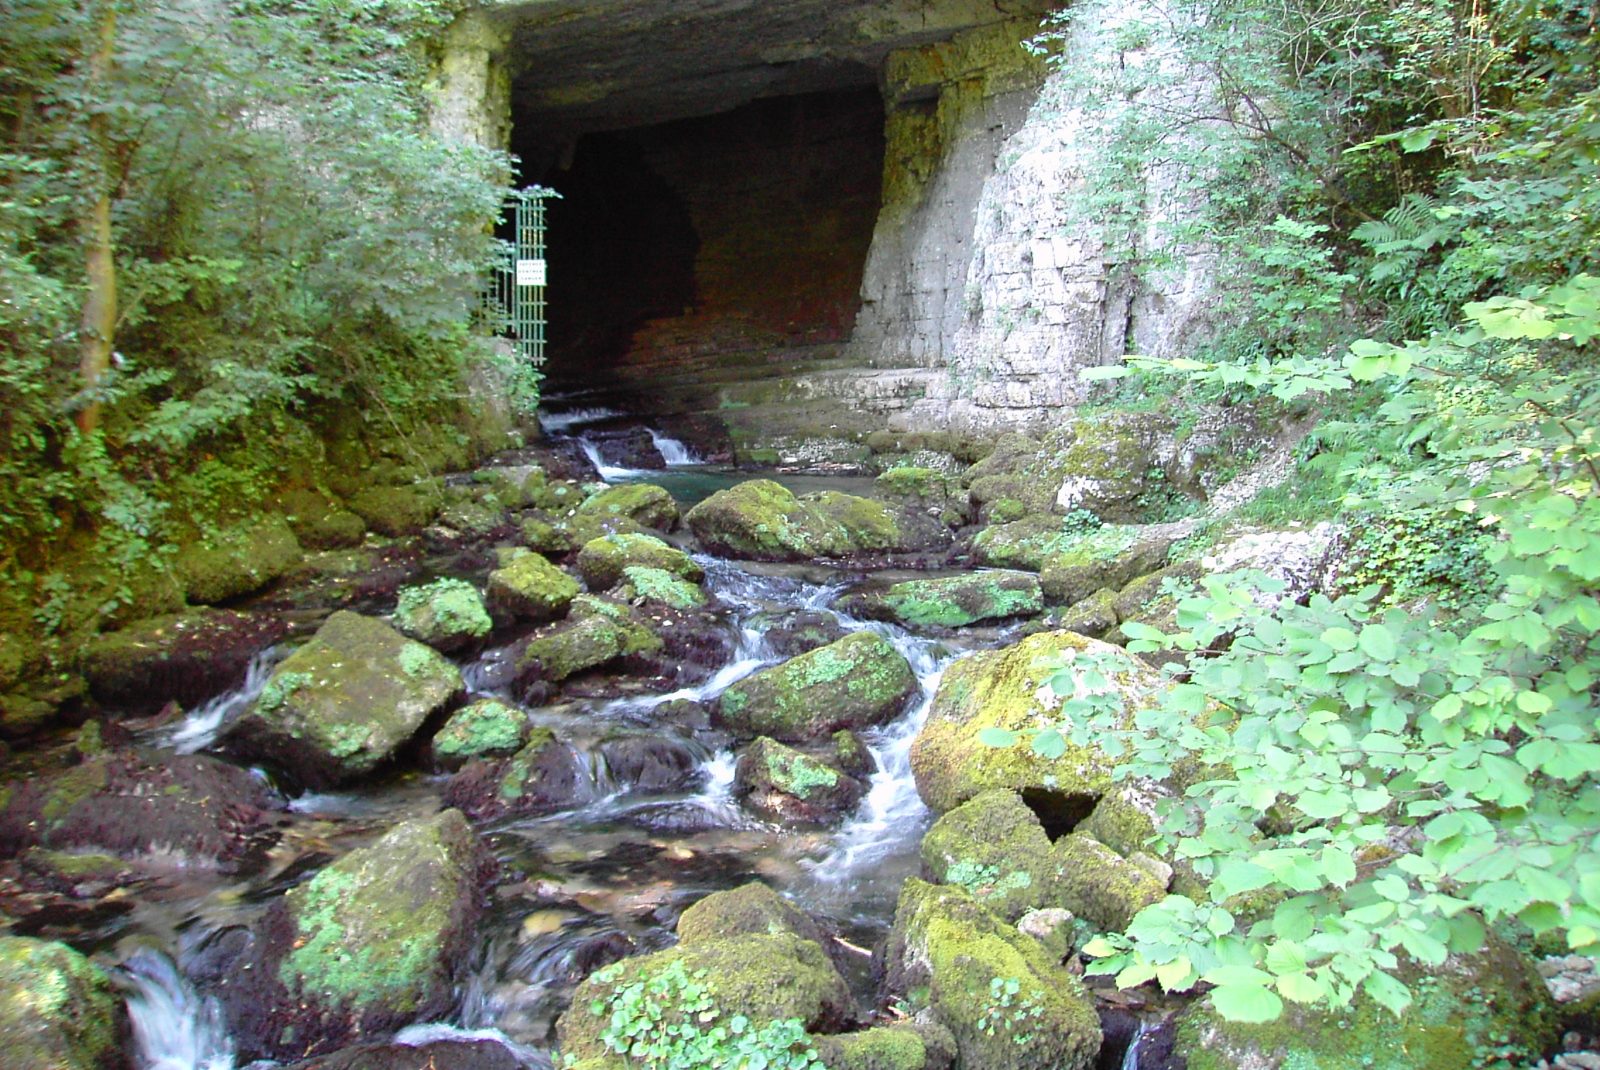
(98, 328)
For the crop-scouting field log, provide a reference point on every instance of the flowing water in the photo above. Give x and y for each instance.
(586, 884)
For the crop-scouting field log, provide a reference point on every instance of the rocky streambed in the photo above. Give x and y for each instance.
(577, 774)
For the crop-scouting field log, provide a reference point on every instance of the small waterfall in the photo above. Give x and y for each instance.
(1130, 1058)
(608, 472)
(675, 453)
(555, 423)
(173, 1027)
(203, 724)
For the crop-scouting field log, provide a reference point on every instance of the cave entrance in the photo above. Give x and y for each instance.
(724, 246)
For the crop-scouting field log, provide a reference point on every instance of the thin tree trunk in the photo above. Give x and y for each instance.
(98, 329)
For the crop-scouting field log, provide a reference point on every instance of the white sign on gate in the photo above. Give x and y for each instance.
(531, 273)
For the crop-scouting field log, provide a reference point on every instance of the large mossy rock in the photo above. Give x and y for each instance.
(993, 846)
(447, 614)
(660, 586)
(953, 601)
(345, 702)
(487, 728)
(780, 782)
(949, 954)
(1006, 689)
(182, 657)
(908, 1046)
(1102, 463)
(1100, 561)
(1482, 1009)
(1099, 885)
(860, 680)
(374, 941)
(198, 809)
(58, 1010)
(750, 908)
(543, 777)
(645, 504)
(239, 561)
(601, 561)
(761, 520)
(765, 977)
(528, 587)
(396, 511)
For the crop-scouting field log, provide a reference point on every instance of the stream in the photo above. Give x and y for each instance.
(586, 885)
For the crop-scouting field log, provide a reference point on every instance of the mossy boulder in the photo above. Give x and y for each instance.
(953, 956)
(320, 522)
(58, 1010)
(528, 587)
(239, 561)
(567, 648)
(1102, 463)
(396, 511)
(487, 728)
(659, 585)
(374, 941)
(764, 977)
(953, 601)
(993, 846)
(447, 614)
(542, 534)
(858, 681)
(645, 504)
(1103, 559)
(1026, 543)
(341, 705)
(1099, 885)
(752, 908)
(1005, 689)
(780, 782)
(183, 657)
(1475, 1010)
(938, 493)
(1153, 600)
(872, 526)
(1094, 616)
(635, 632)
(207, 812)
(762, 520)
(908, 1046)
(601, 561)
(546, 775)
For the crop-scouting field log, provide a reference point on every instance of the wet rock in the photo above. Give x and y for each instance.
(762, 520)
(643, 503)
(184, 657)
(947, 953)
(321, 523)
(395, 511)
(72, 874)
(1099, 885)
(374, 941)
(752, 908)
(442, 1054)
(188, 808)
(239, 561)
(528, 587)
(650, 764)
(908, 1046)
(541, 534)
(936, 492)
(797, 631)
(789, 785)
(447, 614)
(952, 601)
(543, 777)
(344, 703)
(1073, 574)
(601, 562)
(859, 681)
(58, 1010)
(1491, 1000)
(626, 447)
(1005, 689)
(993, 846)
(487, 728)
(642, 584)
(569, 647)
(367, 580)
(852, 755)
(1102, 464)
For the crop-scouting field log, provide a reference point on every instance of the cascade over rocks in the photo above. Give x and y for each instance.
(183, 657)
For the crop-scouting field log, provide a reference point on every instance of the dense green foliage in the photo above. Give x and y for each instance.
(1377, 776)
(295, 255)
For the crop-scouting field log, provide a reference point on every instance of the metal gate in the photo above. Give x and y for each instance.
(514, 302)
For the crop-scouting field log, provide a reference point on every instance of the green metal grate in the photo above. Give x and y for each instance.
(514, 301)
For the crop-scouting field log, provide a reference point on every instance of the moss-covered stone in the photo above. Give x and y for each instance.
(1124, 818)
(1006, 689)
(643, 503)
(860, 680)
(781, 782)
(58, 1010)
(956, 601)
(633, 630)
(345, 702)
(183, 657)
(447, 614)
(569, 647)
(993, 846)
(322, 523)
(239, 561)
(487, 728)
(1094, 616)
(529, 587)
(1479, 1010)
(1104, 559)
(541, 534)
(659, 585)
(601, 562)
(542, 777)
(752, 908)
(852, 755)
(950, 954)
(764, 977)
(1099, 885)
(761, 520)
(396, 511)
(895, 1047)
(792, 632)
(871, 526)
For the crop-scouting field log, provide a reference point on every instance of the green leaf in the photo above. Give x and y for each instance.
(1301, 987)
(1387, 992)
(997, 737)
(1249, 1003)
(1378, 642)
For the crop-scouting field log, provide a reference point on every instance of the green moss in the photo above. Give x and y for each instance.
(750, 908)
(58, 1011)
(72, 787)
(515, 780)
(396, 511)
(485, 728)
(643, 503)
(797, 774)
(239, 561)
(420, 662)
(601, 561)
(1099, 885)
(530, 587)
(995, 848)
(882, 1048)
(1107, 557)
(279, 688)
(447, 613)
(955, 601)
(659, 585)
(571, 647)
(858, 680)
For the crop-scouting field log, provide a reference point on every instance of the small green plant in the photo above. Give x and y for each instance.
(1080, 522)
(670, 1020)
(1008, 1011)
